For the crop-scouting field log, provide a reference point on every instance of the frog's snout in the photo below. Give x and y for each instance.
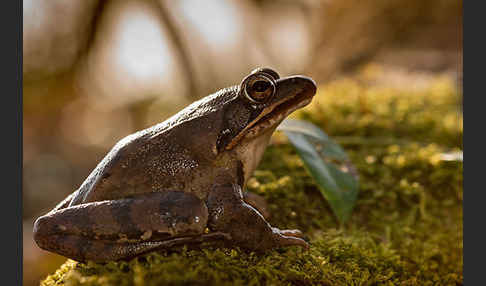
(298, 86)
(39, 231)
(309, 85)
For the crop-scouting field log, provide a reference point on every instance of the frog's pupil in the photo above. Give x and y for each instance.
(260, 86)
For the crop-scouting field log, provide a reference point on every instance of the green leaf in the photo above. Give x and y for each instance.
(328, 164)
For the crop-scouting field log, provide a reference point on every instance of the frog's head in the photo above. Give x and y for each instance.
(237, 122)
(260, 103)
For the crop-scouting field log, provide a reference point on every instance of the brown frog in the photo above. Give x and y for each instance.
(180, 181)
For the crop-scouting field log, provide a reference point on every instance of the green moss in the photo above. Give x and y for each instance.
(406, 228)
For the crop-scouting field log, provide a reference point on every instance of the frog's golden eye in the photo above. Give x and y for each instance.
(258, 88)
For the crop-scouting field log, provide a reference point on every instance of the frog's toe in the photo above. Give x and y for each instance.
(292, 232)
(292, 240)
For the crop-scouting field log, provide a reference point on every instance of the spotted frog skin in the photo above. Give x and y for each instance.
(180, 182)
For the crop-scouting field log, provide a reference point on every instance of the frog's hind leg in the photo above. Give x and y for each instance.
(229, 213)
(117, 229)
(82, 248)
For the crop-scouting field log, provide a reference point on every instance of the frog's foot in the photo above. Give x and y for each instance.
(292, 232)
(288, 237)
(216, 236)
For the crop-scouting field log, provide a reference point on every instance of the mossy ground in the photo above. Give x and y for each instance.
(406, 228)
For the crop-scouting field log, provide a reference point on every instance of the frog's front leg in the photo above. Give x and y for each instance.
(229, 213)
(124, 228)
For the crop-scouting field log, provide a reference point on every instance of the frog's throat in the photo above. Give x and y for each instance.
(272, 116)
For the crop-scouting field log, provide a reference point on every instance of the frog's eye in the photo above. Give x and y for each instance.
(258, 88)
(268, 71)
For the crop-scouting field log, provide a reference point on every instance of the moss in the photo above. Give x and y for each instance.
(406, 228)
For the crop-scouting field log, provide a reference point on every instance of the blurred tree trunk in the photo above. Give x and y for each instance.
(174, 34)
(352, 32)
(59, 37)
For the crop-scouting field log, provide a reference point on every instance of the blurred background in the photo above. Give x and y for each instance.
(95, 71)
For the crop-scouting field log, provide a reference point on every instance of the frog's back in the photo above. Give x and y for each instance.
(96, 183)
(174, 154)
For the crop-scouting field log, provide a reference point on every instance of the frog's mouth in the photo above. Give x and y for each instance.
(292, 93)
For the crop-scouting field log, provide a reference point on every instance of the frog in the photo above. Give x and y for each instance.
(181, 181)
